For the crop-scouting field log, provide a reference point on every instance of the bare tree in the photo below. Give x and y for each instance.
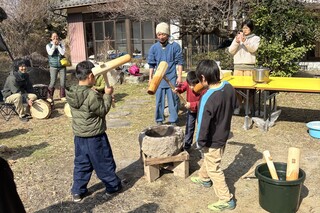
(25, 29)
(194, 17)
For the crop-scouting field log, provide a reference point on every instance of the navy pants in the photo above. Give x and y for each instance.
(173, 104)
(94, 153)
(190, 126)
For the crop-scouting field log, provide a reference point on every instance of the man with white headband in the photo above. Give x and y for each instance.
(170, 52)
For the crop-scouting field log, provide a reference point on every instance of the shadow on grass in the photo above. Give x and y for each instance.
(25, 151)
(149, 207)
(13, 133)
(129, 176)
(299, 115)
(243, 161)
(119, 96)
(55, 114)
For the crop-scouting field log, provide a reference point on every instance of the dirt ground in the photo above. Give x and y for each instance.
(41, 157)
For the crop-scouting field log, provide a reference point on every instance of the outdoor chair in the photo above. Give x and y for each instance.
(6, 110)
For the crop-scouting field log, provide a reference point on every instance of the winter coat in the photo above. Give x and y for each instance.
(88, 109)
(17, 82)
(245, 53)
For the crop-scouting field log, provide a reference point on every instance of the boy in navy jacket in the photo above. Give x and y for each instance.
(214, 121)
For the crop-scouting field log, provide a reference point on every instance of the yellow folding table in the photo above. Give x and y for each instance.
(241, 83)
(291, 84)
(286, 84)
(270, 89)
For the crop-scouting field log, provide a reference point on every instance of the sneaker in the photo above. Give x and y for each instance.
(27, 115)
(173, 124)
(236, 111)
(197, 180)
(159, 123)
(24, 119)
(109, 194)
(222, 205)
(77, 198)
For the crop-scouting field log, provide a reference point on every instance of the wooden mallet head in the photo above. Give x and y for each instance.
(110, 65)
(157, 77)
(198, 88)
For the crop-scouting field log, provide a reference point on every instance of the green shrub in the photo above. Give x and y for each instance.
(287, 30)
(281, 58)
(222, 55)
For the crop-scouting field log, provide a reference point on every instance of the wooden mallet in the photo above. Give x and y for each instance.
(104, 68)
(224, 77)
(158, 76)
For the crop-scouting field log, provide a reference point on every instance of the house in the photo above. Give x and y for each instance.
(93, 33)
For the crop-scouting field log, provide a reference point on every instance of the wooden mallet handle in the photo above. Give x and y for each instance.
(173, 88)
(272, 169)
(106, 80)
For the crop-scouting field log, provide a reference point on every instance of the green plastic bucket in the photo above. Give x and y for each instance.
(279, 196)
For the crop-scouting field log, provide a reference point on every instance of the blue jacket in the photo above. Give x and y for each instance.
(172, 54)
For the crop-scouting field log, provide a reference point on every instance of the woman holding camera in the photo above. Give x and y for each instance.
(244, 48)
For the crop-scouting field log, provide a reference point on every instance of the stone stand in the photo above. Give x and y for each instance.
(180, 166)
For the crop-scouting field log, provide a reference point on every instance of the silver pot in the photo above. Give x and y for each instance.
(261, 75)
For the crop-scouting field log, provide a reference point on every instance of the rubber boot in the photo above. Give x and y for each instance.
(63, 94)
(50, 94)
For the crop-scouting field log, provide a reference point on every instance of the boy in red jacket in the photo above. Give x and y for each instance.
(193, 99)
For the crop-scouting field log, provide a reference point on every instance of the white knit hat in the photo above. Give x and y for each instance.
(163, 28)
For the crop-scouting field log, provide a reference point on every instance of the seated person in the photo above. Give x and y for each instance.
(18, 90)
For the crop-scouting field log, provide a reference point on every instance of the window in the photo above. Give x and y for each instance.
(121, 41)
(89, 39)
(98, 29)
(149, 37)
(148, 30)
(105, 35)
(136, 39)
(109, 30)
(109, 35)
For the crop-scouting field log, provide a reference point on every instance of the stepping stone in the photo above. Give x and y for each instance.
(114, 123)
(118, 114)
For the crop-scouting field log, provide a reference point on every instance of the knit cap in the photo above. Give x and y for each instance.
(163, 28)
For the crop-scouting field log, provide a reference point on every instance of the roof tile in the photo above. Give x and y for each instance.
(77, 3)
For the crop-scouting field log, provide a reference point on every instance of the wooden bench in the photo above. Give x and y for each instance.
(180, 166)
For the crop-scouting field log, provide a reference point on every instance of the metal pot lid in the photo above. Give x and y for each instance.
(262, 68)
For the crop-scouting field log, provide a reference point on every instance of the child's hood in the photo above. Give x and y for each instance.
(76, 95)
